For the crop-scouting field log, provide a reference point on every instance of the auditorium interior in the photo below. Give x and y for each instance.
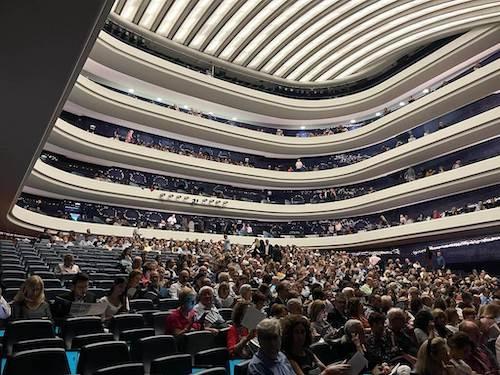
(261, 187)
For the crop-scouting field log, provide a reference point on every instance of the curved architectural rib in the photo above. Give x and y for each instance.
(57, 183)
(473, 130)
(484, 221)
(469, 88)
(345, 22)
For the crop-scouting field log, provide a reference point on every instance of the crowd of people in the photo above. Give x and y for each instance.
(105, 214)
(320, 312)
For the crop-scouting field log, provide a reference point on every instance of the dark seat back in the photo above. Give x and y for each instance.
(21, 330)
(194, 342)
(124, 322)
(124, 369)
(132, 335)
(159, 319)
(241, 368)
(94, 357)
(51, 361)
(179, 364)
(148, 349)
(166, 304)
(82, 340)
(53, 342)
(141, 304)
(214, 371)
(217, 357)
(82, 325)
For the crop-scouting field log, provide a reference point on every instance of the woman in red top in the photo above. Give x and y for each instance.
(182, 319)
(238, 336)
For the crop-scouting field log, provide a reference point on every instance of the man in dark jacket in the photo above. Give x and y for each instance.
(79, 293)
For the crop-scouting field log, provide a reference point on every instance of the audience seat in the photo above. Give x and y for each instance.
(221, 337)
(125, 369)
(10, 293)
(214, 371)
(179, 364)
(241, 368)
(21, 330)
(194, 342)
(150, 348)
(98, 292)
(94, 338)
(124, 322)
(141, 304)
(51, 361)
(12, 283)
(14, 274)
(51, 284)
(94, 357)
(323, 351)
(132, 335)
(217, 357)
(159, 322)
(83, 325)
(147, 315)
(52, 293)
(53, 342)
(226, 313)
(166, 304)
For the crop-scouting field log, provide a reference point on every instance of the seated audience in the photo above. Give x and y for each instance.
(320, 327)
(460, 346)
(296, 340)
(352, 341)
(269, 359)
(423, 326)
(68, 267)
(182, 282)
(183, 318)
(238, 336)
(5, 309)
(116, 301)
(480, 359)
(206, 312)
(402, 339)
(432, 358)
(134, 288)
(29, 302)
(79, 293)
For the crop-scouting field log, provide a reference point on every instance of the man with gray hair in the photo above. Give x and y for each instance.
(269, 360)
(206, 313)
(294, 306)
(403, 340)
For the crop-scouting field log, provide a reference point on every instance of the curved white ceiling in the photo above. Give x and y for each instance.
(302, 40)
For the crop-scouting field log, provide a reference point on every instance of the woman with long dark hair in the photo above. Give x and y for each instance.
(116, 301)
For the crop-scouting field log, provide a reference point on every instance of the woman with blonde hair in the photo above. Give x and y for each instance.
(29, 302)
(432, 358)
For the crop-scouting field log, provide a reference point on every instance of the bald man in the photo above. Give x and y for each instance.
(481, 360)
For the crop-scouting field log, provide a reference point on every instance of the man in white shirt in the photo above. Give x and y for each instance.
(68, 267)
(299, 165)
(5, 309)
(172, 220)
(181, 283)
(206, 313)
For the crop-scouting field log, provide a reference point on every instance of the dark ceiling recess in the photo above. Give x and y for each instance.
(44, 47)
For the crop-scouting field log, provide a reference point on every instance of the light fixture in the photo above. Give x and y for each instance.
(401, 104)
(210, 113)
(131, 90)
(159, 99)
(353, 121)
(303, 128)
(234, 119)
(426, 91)
(185, 106)
(378, 114)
